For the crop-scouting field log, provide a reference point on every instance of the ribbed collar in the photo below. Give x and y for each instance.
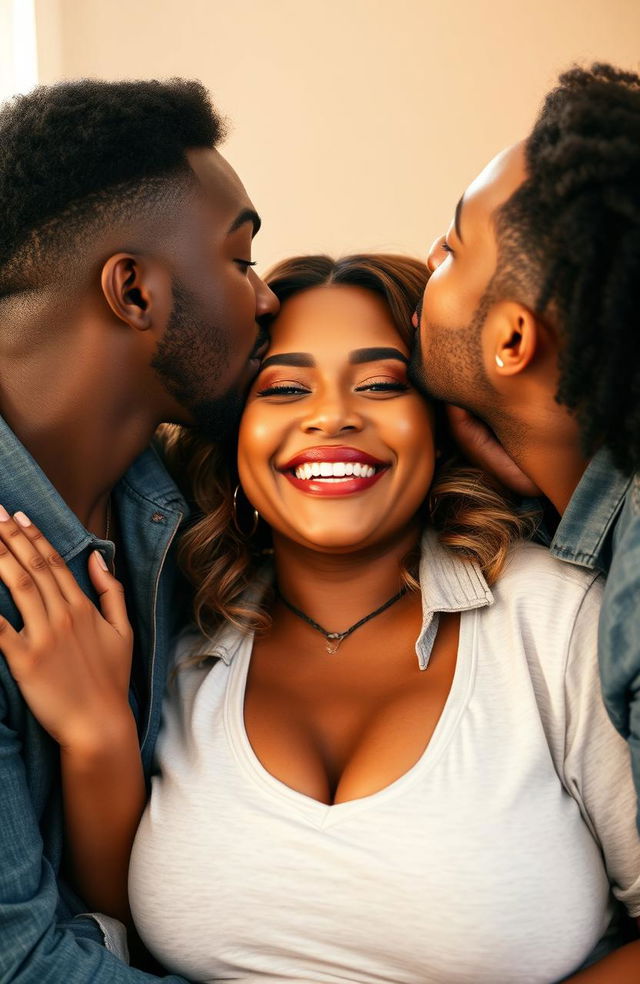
(448, 584)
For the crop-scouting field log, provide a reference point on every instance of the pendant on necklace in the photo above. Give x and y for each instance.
(333, 642)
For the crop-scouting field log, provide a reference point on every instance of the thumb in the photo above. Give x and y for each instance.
(111, 594)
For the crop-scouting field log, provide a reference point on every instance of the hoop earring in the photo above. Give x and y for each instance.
(234, 513)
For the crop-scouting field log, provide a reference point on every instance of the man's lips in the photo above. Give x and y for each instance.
(259, 349)
(332, 454)
(417, 314)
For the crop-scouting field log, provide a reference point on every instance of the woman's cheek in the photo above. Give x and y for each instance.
(256, 450)
(415, 440)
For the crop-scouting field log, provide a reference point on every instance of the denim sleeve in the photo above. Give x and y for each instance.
(34, 947)
(619, 631)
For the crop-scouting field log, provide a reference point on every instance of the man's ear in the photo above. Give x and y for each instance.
(136, 292)
(510, 339)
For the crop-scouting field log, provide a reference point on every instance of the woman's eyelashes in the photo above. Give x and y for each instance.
(244, 264)
(283, 389)
(373, 387)
(382, 386)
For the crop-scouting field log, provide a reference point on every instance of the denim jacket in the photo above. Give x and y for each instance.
(46, 936)
(600, 529)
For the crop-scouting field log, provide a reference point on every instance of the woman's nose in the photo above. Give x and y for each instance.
(332, 414)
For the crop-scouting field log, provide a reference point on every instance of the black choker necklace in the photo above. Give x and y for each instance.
(335, 638)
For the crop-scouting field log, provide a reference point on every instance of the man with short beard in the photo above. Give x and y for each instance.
(530, 322)
(127, 298)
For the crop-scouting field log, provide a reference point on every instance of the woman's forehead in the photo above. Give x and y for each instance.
(334, 316)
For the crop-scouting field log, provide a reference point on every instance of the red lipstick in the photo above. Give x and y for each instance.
(333, 471)
(332, 453)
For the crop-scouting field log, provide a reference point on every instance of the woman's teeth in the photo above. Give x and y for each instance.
(334, 470)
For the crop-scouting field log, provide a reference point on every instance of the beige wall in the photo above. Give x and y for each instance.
(357, 123)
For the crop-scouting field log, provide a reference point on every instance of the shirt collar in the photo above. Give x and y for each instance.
(584, 529)
(448, 584)
(25, 486)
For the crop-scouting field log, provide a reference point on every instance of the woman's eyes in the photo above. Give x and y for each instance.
(244, 264)
(295, 389)
(282, 389)
(383, 386)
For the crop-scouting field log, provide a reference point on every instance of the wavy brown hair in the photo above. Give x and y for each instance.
(472, 517)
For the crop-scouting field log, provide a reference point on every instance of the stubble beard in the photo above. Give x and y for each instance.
(453, 371)
(191, 358)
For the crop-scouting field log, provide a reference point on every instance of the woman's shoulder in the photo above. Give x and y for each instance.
(552, 606)
(531, 571)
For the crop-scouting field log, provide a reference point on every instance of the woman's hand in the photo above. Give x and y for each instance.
(481, 447)
(71, 661)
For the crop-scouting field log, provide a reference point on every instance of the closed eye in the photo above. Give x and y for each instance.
(244, 264)
(382, 387)
(282, 389)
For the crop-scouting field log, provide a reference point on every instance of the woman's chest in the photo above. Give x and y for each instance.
(472, 867)
(347, 725)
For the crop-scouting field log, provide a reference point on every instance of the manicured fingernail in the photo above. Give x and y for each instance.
(101, 560)
(22, 519)
(4, 515)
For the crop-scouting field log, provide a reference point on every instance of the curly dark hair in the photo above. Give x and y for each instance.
(569, 242)
(80, 156)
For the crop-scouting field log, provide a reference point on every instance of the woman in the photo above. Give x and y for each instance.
(382, 759)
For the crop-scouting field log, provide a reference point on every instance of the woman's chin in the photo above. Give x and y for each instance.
(341, 539)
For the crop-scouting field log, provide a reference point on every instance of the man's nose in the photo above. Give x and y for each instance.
(267, 304)
(436, 254)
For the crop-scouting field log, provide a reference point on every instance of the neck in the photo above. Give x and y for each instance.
(546, 446)
(79, 421)
(338, 589)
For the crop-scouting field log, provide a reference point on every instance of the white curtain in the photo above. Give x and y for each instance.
(18, 53)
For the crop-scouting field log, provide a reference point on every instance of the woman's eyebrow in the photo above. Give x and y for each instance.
(303, 359)
(358, 356)
(376, 355)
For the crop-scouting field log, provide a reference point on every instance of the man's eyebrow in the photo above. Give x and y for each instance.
(246, 215)
(376, 355)
(456, 220)
(303, 359)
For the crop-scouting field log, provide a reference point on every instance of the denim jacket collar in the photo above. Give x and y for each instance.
(447, 583)
(583, 535)
(146, 477)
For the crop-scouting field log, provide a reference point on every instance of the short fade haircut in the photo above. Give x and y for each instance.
(78, 156)
(569, 246)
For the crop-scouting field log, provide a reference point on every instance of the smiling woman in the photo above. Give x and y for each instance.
(406, 798)
(379, 291)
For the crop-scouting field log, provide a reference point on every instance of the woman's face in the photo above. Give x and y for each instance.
(336, 449)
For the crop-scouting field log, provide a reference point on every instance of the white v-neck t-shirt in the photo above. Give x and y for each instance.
(498, 857)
